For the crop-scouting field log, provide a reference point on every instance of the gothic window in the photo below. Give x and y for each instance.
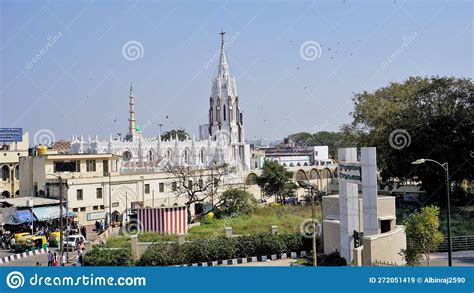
(224, 113)
(186, 156)
(151, 157)
(17, 172)
(169, 154)
(201, 156)
(127, 156)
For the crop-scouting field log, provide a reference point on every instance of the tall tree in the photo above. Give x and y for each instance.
(419, 118)
(171, 134)
(423, 235)
(276, 181)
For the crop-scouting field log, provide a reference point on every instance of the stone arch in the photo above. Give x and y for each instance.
(124, 195)
(151, 157)
(251, 179)
(301, 175)
(6, 194)
(17, 192)
(326, 174)
(314, 174)
(17, 172)
(169, 154)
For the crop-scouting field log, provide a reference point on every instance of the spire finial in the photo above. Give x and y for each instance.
(222, 33)
(131, 90)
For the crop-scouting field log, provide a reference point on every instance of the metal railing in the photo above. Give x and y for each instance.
(458, 243)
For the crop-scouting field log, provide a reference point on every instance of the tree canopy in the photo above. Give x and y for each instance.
(419, 118)
(171, 134)
(276, 181)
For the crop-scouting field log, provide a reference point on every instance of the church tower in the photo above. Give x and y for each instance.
(224, 112)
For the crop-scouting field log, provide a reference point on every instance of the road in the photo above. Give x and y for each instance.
(32, 260)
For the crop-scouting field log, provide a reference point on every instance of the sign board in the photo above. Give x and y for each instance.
(95, 216)
(11, 135)
(350, 172)
(115, 204)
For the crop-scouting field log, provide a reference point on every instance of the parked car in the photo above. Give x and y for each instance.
(72, 241)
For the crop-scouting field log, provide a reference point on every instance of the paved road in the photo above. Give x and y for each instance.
(41, 258)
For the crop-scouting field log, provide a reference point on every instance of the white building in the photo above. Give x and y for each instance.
(223, 142)
(10, 154)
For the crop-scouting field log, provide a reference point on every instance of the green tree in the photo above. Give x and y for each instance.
(423, 235)
(276, 181)
(419, 118)
(171, 134)
(234, 202)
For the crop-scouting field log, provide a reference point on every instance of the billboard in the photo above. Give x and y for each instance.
(8, 135)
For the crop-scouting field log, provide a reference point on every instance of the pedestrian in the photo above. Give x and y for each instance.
(56, 260)
(12, 243)
(50, 259)
(64, 260)
(38, 264)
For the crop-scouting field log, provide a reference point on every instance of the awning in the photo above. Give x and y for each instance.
(49, 213)
(19, 217)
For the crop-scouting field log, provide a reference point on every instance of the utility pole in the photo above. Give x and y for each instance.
(61, 224)
(315, 262)
(110, 202)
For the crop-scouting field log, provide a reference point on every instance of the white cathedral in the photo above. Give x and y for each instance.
(221, 140)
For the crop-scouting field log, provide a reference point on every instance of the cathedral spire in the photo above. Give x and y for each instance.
(223, 69)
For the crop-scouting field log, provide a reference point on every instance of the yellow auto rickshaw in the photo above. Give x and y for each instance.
(20, 235)
(30, 243)
(55, 239)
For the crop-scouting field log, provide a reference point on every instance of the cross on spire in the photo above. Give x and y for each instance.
(222, 33)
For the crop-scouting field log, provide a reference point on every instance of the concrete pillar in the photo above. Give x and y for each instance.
(348, 207)
(134, 246)
(181, 239)
(228, 232)
(369, 191)
(274, 229)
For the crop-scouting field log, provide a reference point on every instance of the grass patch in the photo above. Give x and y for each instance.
(288, 219)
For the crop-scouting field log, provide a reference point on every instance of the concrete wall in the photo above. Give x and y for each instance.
(384, 247)
(331, 236)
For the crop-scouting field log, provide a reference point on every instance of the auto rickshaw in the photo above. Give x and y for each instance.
(55, 239)
(20, 235)
(30, 243)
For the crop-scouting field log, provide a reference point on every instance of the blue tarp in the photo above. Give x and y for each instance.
(20, 217)
(49, 213)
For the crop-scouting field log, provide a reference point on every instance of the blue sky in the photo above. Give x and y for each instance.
(79, 85)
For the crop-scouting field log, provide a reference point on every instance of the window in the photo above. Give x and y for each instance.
(90, 165)
(174, 186)
(384, 226)
(95, 208)
(190, 184)
(5, 173)
(201, 156)
(79, 194)
(67, 166)
(224, 113)
(127, 156)
(186, 156)
(151, 157)
(102, 207)
(216, 182)
(147, 188)
(161, 187)
(201, 183)
(75, 210)
(83, 209)
(99, 192)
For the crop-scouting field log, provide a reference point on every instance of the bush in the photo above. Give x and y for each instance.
(220, 248)
(235, 202)
(332, 259)
(108, 257)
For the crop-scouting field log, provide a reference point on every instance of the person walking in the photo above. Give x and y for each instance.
(56, 260)
(50, 259)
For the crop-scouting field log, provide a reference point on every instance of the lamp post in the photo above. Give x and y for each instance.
(308, 185)
(448, 203)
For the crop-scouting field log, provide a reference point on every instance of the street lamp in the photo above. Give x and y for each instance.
(311, 186)
(448, 204)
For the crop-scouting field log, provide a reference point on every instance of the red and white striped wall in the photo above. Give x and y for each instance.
(172, 220)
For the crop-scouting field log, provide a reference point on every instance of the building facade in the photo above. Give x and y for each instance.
(10, 154)
(222, 142)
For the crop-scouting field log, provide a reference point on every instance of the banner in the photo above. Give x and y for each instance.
(236, 279)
